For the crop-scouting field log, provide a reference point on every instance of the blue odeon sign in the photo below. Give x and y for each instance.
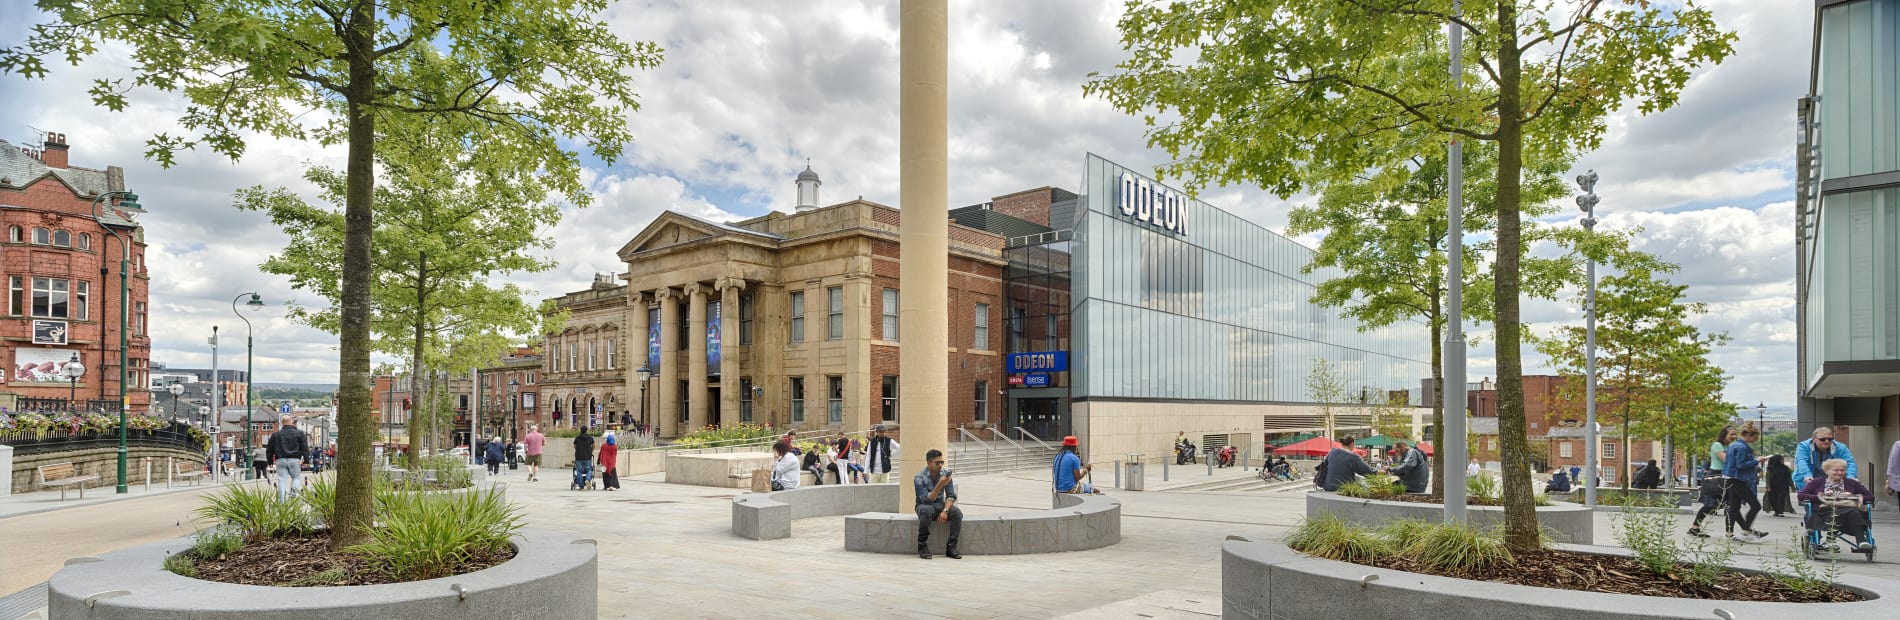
(1039, 361)
(1152, 203)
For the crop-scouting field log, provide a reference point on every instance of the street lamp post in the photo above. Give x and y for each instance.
(127, 200)
(1588, 202)
(250, 377)
(1761, 412)
(73, 371)
(177, 389)
(514, 410)
(644, 373)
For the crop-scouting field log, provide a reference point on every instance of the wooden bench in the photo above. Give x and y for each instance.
(63, 475)
(190, 470)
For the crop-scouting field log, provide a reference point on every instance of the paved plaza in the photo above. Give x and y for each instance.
(666, 551)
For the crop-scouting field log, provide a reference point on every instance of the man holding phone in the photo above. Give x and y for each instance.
(937, 501)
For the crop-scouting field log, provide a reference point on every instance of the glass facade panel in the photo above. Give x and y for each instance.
(1857, 81)
(1196, 303)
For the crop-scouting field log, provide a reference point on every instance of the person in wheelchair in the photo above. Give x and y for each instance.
(1838, 504)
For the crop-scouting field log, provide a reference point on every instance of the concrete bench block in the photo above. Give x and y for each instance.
(766, 516)
(1080, 522)
(1568, 523)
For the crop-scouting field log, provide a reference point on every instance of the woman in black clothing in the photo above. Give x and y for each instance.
(1780, 484)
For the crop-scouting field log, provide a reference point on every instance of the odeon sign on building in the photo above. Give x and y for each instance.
(1152, 203)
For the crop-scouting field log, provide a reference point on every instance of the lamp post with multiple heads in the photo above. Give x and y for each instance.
(645, 373)
(250, 378)
(1588, 202)
(127, 200)
(73, 370)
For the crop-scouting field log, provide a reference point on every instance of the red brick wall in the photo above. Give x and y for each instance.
(1032, 205)
(49, 203)
(969, 282)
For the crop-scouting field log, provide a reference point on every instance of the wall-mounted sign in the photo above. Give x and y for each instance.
(1037, 380)
(713, 338)
(49, 332)
(1015, 380)
(1040, 361)
(653, 345)
(41, 365)
(1152, 203)
(527, 401)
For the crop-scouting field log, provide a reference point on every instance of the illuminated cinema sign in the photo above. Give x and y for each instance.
(1152, 203)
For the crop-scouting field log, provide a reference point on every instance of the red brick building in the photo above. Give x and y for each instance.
(62, 273)
(519, 404)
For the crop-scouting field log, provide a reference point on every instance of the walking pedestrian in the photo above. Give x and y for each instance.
(260, 463)
(1744, 470)
(288, 447)
(493, 455)
(609, 462)
(1780, 485)
(533, 444)
(1714, 486)
(583, 459)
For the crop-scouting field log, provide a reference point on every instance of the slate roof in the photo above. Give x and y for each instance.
(17, 170)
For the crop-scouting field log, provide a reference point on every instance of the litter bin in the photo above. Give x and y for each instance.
(1132, 479)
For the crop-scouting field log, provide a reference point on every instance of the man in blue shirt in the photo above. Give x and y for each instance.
(936, 502)
(1810, 454)
(1069, 469)
(1743, 470)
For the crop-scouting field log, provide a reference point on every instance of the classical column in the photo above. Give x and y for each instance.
(634, 354)
(696, 356)
(729, 397)
(667, 400)
(859, 384)
(923, 189)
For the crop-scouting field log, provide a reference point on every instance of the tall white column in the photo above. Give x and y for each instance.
(668, 397)
(923, 178)
(695, 357)
(729, 396)
(634, 354)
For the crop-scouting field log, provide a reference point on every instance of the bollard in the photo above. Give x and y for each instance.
(148, 473)
(1164, 467)
(1209, 461)
(1244, 456)
(170, 467)
(1118, 473)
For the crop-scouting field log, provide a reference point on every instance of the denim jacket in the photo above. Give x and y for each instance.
(925, 482)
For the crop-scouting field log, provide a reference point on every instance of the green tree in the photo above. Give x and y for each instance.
(346, 72)
(1292, 94)
(1391, 416)
(1653, 368)
(445, 227)
(1326, 387)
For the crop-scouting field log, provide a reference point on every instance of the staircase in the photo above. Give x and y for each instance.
(970, 458)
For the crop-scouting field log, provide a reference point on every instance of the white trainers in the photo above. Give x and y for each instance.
(1744, 538)
(1863, 546)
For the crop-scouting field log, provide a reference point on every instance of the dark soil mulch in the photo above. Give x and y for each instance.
(1618, 575)
(300, 561)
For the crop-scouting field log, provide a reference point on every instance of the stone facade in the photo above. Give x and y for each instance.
(583, 376)
(798, 302)
(520, 402)
(55, 255)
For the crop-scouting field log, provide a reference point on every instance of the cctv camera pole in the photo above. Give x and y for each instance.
(1588, 202)
(1452, 454)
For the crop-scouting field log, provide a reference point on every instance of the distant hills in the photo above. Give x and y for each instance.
(326, 388)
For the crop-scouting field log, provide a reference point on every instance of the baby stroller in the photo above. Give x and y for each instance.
(1821, 538)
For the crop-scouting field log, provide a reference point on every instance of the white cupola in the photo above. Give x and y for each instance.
(808, 189)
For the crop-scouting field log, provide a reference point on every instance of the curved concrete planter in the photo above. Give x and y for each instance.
(1073, 523)
(551, 576)
(1269, 580)
(1568, 523)
(765, 516)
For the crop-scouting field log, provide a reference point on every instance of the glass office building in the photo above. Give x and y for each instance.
(1848, 239)
(1181, 316)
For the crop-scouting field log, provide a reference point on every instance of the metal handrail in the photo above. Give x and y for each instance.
(961, 432)
(1000, 435)
(741, 443)
(1034, 438)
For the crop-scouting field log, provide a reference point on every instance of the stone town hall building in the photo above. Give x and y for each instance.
(789, 319)
(63, 282)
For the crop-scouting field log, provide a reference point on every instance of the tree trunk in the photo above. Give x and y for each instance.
(1622, 471)
(417, 429)
(1520, 518)
(356, 427)
(1438, 379)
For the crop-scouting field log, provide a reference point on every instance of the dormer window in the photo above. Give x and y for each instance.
(62, 238)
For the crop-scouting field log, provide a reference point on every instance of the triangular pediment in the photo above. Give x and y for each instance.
(671, 229)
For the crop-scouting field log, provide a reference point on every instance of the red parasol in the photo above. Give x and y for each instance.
(1317, 446)
(1426, 447)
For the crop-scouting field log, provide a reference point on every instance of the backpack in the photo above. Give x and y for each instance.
(1319, 475)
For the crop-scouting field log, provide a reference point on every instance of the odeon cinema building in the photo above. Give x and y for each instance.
(1122, 313)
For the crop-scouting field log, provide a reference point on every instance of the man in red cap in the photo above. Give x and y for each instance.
(1069, 470)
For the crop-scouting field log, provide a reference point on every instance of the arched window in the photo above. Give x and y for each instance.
(62, 238)
(85, 241)
(15, 235)
(41, 235)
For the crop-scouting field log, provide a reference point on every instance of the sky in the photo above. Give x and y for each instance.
(750, 91)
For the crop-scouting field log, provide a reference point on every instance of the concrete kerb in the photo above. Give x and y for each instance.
(1261, 580)
(1073, 523)
(766, 516)
(551, 576)
(1567, 523)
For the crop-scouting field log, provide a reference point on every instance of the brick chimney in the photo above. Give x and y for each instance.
(53, 152)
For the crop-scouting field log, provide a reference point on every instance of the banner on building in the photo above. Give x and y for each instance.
(653, 345)
(40, 364)
(49, 332)
(712, 338)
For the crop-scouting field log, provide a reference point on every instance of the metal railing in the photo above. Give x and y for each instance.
(60, 405)
(1003, 436)
(1026, 435)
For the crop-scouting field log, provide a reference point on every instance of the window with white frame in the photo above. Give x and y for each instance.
(834, 400)
(138, 323)
(16, 297)
(834, 325)
(982, 401)
(42, 236)
(50, 297)
(85, 241)
(890, 314)
(1609, 450)
(798, 316)
(1563, 450)
(590, 354)
(889, 410)
(982, 328)
(62, 238)
(82, 301)
(573, 356)
(798, 399)
(612, 342)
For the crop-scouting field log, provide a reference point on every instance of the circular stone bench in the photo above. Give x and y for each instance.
(1567, 523)
(1074, 523)
(765, 516)
(1269, 580)
(551, 576)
